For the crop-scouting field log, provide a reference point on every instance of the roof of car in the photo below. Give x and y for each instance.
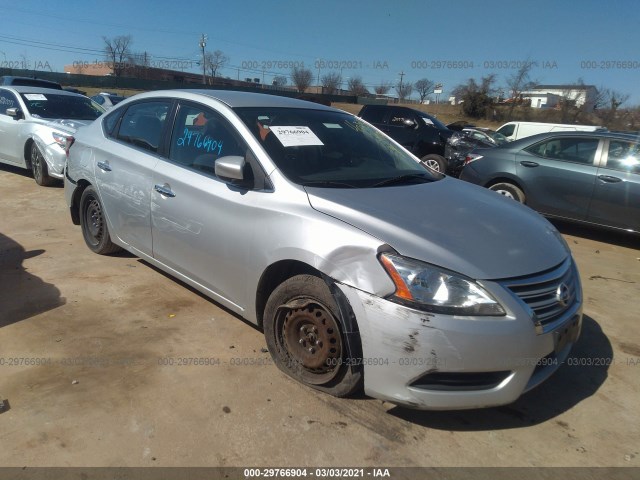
(22, 89)
(569, 133)
(236, 99)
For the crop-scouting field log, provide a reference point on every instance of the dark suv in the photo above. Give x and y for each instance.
(28, 82)
(423, 135)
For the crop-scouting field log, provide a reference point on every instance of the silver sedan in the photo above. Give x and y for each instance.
(35, 123)
(315, 226)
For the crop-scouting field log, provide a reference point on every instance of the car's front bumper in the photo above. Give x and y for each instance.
(55, 157)
(441, 362)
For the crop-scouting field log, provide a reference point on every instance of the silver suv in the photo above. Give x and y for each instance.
(315, 226)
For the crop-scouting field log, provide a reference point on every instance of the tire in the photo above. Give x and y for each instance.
(509, 190)
(305, 336)
(94, 224)
(435, 162)
(39, 168)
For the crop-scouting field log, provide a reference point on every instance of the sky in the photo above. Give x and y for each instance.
(379, 41)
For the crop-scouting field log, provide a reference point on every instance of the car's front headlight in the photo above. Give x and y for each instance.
(433, 289)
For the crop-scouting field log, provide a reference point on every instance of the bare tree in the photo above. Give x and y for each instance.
(607, 105)
(424, 87)
(518, 83)
(279, 81)
(383, 88)
(214, 61)
(301, 78)
(118, 52)
(356, 86)
(404, 90)
(331, 82)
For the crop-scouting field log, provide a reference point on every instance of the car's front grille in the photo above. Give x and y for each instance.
(549, 294)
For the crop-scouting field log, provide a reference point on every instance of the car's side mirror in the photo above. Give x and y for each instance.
(15, 113)
(231, 169)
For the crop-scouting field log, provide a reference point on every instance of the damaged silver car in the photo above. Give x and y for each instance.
(318, 228)
(34, 125)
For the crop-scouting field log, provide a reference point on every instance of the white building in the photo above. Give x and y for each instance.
(549, 96)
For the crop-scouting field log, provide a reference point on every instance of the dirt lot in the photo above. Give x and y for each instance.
(105, 330)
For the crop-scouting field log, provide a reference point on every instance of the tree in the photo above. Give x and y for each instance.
(424, 87)
(518, 83)
(214, 61)
(607, 106)
(279, 81)
(118, 52)
(331, 82)
(356, 86)
(301, 78)
(383, 88)
(476, 97)
(404, 90)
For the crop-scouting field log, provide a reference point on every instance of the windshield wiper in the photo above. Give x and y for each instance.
(403, 179)
(328, 183)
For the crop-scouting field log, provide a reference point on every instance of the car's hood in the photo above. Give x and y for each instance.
(452, 224)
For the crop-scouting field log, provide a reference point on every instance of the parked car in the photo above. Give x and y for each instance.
(351, 255)
(516, 130)
(585, 177)
(420, 133)
(464, 141)
(459, 125)
(107, 100)
(34, 125)
(10, 80)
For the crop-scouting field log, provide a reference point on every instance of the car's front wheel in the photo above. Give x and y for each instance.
(306, 338)
(508, 190)
(94, 224)
(39, 168)
(435, 162)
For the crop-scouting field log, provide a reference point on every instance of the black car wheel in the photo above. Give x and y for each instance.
(508, 190)
(94, 225)
(305, 336)
(39, 168)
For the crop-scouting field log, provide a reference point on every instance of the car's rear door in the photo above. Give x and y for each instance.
(558, 174)
(124, 164)
(616, 197)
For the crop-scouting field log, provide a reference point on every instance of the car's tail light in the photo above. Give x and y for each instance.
(68, 142)
(471, 157)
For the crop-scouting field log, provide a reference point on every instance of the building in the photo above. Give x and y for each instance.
(550, 96)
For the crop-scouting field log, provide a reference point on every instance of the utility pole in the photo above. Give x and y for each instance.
(400, 91)
(203, 43)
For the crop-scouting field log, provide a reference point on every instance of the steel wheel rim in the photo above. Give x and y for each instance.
(505, 193)
(312, 343)
(94, 221)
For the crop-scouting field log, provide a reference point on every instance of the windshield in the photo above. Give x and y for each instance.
(55, 106)
(331, 149)
(429, 120)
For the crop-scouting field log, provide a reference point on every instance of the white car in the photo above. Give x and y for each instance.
(35, 124)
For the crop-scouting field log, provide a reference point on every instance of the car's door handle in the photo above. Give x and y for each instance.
(609, 179)
(164, 190)
(527, 163)
(104, 166)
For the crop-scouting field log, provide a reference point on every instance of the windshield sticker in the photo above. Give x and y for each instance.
(34, 96)
(296, 136)
(332, 125)
(427, 121)
(7, 102)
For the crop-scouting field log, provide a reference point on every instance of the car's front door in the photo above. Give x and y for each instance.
(616, 197)
(124, 164)
(203, 227)
(403, 133)
(558, 175)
